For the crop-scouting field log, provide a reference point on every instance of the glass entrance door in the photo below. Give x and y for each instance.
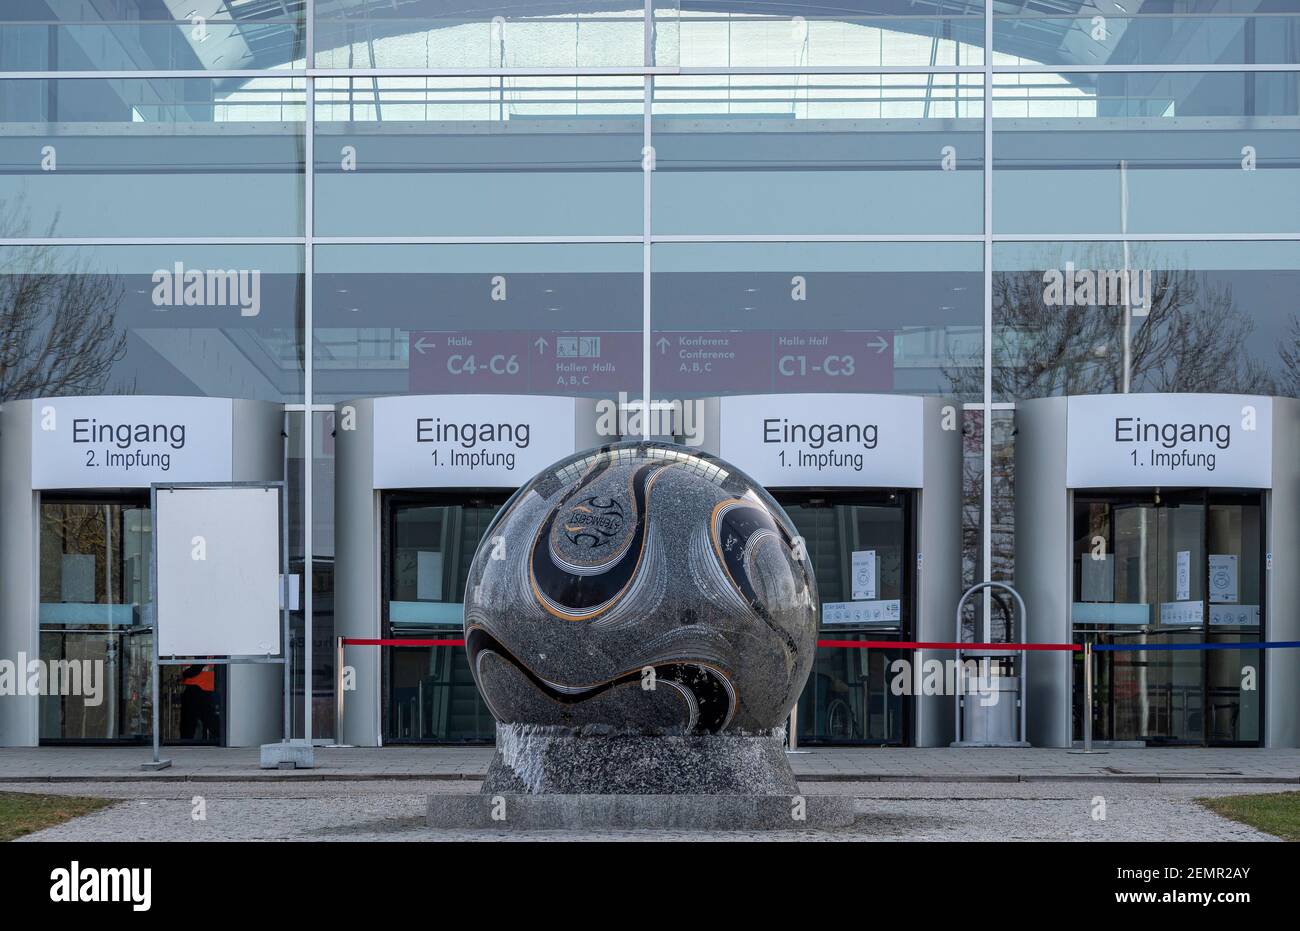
(96, 642)
(1170, 568)
(429, 693)
(862, 554)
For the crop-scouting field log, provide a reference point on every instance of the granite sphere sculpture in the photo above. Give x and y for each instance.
(641, 588)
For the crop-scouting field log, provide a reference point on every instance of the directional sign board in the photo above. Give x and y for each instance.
(785, 361)
(522, 362)
(684, 362)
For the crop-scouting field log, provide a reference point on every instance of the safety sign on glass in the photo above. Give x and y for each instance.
(1234, 615)
(1182, 612)
(861, 612)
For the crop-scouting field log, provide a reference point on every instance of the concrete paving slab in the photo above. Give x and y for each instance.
(396, 810)
(822, 765)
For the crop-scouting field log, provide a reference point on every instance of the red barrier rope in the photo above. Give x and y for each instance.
(932, 645)
(834, 644)
(403, 643)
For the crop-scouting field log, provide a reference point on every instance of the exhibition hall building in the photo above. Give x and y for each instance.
(978, 290)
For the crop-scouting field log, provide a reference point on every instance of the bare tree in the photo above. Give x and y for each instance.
(58, 332)
(1289, 352)
(1193, 338)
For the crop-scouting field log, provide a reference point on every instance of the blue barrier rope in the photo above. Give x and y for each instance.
(1130, 647)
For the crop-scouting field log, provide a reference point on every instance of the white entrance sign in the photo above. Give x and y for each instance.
(218, 567)
(1169, 440)
(782, 440)
(126, 441)
(469, 440)
(1183, 576)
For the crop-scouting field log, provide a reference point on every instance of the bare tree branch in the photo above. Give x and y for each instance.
(58, 332)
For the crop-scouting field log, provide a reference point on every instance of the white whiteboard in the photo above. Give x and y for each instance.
(218, 566)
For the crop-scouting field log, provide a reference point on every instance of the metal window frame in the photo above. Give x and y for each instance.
(648, 71)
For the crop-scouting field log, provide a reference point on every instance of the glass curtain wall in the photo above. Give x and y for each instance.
(888, 183)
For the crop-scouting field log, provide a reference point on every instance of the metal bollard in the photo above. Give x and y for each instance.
(1087, 701)
(1087, 690)
(338, 691)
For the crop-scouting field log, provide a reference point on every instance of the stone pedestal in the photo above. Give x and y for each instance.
(533, 760)
(597, 813)
(595, 779)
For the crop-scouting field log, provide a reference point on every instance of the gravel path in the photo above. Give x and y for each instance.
(394, 810)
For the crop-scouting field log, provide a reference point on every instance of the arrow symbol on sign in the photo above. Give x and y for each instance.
(540, 344)
(422, 344)
(880, 345)
(663, 344)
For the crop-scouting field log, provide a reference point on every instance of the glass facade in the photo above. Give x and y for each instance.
(429, 545)
(1152, 579)
(982, 200)
(94, 566)
(847, 699)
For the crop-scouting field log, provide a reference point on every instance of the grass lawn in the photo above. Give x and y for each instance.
(21, 813)
(1276, 813)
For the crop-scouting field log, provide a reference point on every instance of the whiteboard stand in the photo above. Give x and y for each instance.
(288, 752)
(157, 762)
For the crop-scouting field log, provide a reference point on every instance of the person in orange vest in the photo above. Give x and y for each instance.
(199, 718)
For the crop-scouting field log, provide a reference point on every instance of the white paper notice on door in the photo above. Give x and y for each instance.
(864, 575)
(1184, 576)
(1223, 578)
